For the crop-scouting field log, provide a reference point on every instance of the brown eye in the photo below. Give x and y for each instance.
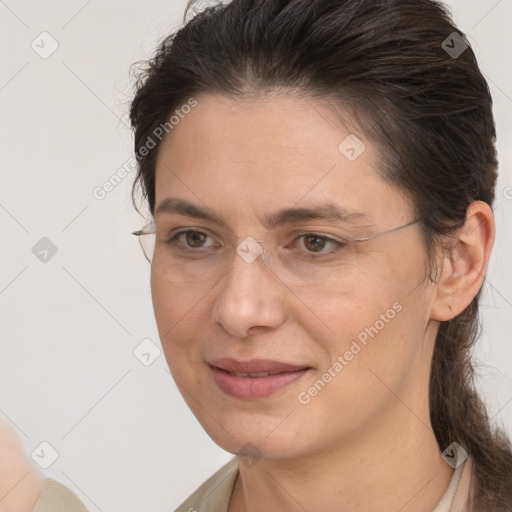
(195, 238)
(314, 243)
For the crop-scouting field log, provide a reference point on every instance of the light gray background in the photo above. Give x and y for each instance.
(125, 439)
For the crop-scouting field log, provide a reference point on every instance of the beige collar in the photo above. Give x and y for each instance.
(215, 493)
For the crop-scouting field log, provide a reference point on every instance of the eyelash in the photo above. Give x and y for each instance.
(339, 244)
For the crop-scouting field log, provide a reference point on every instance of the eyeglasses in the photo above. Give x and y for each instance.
(182, 257)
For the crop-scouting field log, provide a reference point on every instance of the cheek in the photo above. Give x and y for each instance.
(176, 308)
(372, 322)
(341, 312)
(368, 357)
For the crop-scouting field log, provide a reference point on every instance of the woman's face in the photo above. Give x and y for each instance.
(345, 332)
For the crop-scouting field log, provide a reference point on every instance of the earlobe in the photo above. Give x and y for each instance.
(464, 263)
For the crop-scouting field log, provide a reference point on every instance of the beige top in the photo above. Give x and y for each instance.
(214, 495)
(55, 497)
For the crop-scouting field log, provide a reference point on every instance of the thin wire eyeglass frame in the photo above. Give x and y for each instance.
(150, 229)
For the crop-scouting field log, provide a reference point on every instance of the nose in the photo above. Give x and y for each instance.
(250, 297)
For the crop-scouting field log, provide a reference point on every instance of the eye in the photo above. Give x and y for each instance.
(190, 239)
(315, 243)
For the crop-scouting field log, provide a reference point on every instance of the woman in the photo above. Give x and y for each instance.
(321, 177)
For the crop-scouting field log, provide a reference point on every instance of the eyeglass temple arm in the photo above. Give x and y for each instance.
(149, 229)
(387, 231)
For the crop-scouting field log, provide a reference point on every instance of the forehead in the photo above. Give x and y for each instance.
(259, 153)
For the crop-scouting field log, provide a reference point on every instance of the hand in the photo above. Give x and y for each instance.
(20, 482)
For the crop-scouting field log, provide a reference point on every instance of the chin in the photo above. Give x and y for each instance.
(250, 436)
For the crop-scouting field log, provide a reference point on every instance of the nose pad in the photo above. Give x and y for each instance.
(265, 258)
(267, 261)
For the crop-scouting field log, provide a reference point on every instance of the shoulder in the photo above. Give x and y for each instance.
(56, 497)
(215, 493)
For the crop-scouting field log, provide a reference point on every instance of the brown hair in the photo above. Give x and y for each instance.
(392, 65)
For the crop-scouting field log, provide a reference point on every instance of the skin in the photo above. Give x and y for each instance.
(20, 482)
(364, 442)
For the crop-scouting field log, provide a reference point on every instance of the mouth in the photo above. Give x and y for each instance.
(253, 375)
(255, 379)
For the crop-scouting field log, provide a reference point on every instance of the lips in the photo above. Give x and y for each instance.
(258, 378)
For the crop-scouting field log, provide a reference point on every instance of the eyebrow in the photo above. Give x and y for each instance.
(327, 212)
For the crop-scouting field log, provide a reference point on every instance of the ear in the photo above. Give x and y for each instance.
(464, 263)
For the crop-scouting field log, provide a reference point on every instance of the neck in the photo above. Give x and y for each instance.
(396, 466)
